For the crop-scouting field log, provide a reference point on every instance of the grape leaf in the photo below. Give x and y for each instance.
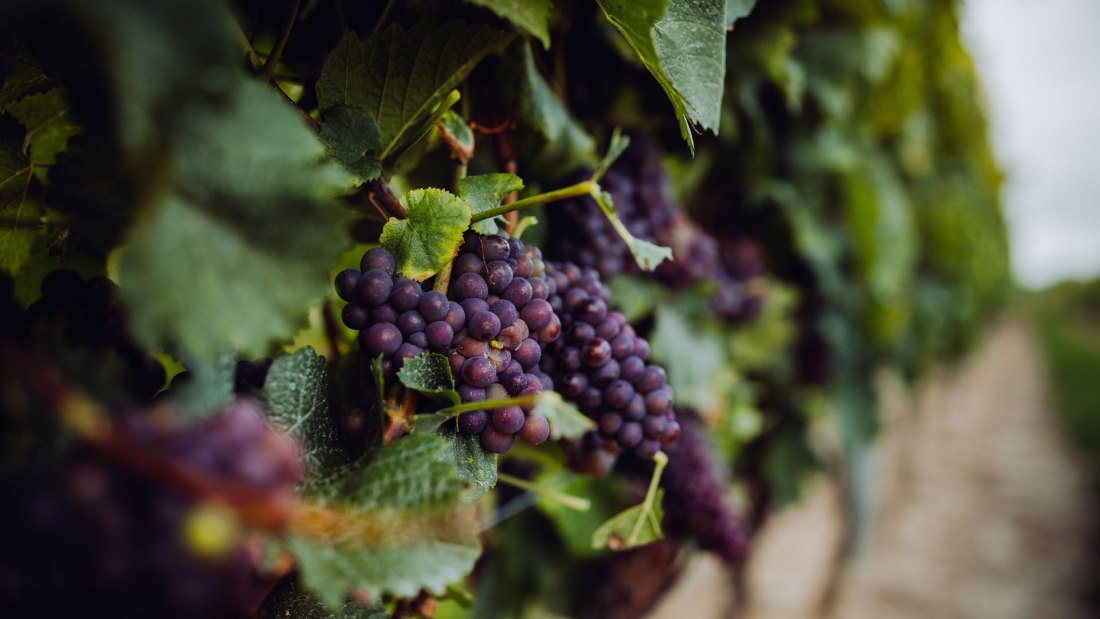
(456, 133)
(615, 147)
(18, 203)
(647, 255)
(416, 471)
(209, 387)
(738, 9)
(288, 599)
(682, 44)
(694, 351)
(632, 527)
(295, 395)
(49, 126)
(565, 420)
(242, 243)
(352, 136)
(400, 76)
(531, 15)
(428, 238)
(475, 467)
(332, 571)
(21, 75)
(484, 192)
(405, 528)
(430, 374)
(568, 145)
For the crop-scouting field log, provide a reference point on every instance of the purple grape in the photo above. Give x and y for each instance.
(405, 295)
(496, 442)
(469, 286)
(519, 292)
(378, 258)
(381, 339)
(508, 419)
(473, 422)
(433, 306)
(535, 430)
(410, 322)
(439, 335)
(505, 311)
(383, 313)
(537, 314)
(479, 372)
(373, 288)
(483, 326)
(528, 353)
(355, 316)
(345, 284)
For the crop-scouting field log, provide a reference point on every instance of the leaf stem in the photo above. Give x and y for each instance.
(381, 19)
(583, 188)
(465, 407)
(660, 461)
(572, 502)
(277, 51)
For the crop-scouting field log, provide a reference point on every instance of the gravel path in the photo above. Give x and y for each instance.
(981, 509)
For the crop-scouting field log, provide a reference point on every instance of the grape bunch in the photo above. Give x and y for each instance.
(491, 325)
(694, 504)
(639, 188)
(600, 364)
(101, 535)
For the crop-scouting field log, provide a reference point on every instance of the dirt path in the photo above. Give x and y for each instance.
(980, 509)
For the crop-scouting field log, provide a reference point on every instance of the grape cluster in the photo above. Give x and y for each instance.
(600, 364)
(694, 504)
(491, 325)
(89, 315)
(96, 538)
(639, 188)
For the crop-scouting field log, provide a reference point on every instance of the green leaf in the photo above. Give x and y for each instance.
(565, 420)
(208, 388)
(49, 126)
(632, 527)
(647, 255)
(615, 148)
(694, 353)
(568, 145)
(288, 599)
(738, 9)
(461, 137)
(475, 467)
(406, 530)
(485, 192)
(416, 471)
(635, 297)
(352, 136)
(18, 202)
(683, 45)
(530, 15)
(333, 570)
(430, 374)
(575, 527)
(295, 394)
(20, 75)
(425, 241)
(399, 76)
(241, 245)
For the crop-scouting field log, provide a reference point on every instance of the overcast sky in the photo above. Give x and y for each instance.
(1040, 66)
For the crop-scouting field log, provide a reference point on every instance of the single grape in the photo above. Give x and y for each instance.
(374, 287)
(378, 258)
(346, 282)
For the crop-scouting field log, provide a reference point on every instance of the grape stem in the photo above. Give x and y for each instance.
(276, 52)
(583, 188)
(572, 502)
(458, 409)
(660, 460)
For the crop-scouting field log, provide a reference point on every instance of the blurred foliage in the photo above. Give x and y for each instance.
(846, 138)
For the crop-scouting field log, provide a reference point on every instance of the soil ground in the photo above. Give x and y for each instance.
(980, 509)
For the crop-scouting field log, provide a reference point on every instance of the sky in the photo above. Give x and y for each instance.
(1039, 63)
